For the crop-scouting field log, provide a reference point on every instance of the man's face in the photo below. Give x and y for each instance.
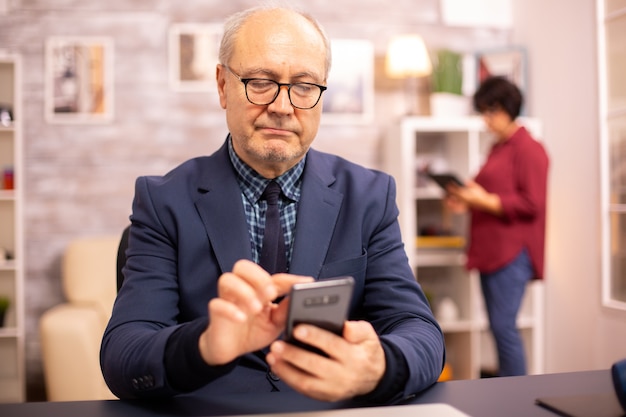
(286, 48)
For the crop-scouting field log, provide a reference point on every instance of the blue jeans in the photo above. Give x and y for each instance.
(503, 291)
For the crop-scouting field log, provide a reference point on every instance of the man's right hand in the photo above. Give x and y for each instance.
(243, 317)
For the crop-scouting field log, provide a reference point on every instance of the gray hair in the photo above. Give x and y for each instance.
(236, 21)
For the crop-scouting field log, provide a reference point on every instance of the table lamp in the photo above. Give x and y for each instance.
(407, 58)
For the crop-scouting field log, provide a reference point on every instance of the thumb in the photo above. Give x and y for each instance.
(358, 331)
(471, 183)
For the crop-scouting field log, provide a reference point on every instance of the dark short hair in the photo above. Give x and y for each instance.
(498, 93)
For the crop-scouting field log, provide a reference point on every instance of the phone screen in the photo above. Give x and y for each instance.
(323, 303)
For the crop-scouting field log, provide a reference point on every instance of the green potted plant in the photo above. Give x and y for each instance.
(447, 97)
(5, 302)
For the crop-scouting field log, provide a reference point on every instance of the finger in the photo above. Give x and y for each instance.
(471, 184)
(219, 308)
(324, 340)
(305, 372)
(284, 282)
(279, 315)
(233, 289)
(257, 278)
(286, 356)
(216, 345)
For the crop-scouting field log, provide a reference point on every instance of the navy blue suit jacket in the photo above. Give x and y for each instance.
(189, 226)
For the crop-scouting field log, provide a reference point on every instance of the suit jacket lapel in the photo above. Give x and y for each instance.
(220, 207)
(317, 214)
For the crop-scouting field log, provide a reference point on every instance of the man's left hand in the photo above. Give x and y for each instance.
(354, 366)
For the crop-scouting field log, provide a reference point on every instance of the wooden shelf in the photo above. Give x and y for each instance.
(8, 195)
(439, 257)
(8, 332)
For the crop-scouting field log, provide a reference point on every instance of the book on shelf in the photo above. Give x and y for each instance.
(440, 242)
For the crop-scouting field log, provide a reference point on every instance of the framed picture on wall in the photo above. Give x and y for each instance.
(193, 55)
(509, 62)
(79, 80)
(350, 94)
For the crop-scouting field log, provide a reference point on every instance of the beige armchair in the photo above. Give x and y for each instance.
(71, 332)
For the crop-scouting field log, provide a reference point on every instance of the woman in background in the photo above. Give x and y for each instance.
(507, 204)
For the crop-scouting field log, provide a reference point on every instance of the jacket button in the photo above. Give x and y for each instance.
(273, 376)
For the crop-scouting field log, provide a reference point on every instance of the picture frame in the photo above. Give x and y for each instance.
(193, 55)
(477, 13)
(509, 62)
(79, 80)
(350, 94)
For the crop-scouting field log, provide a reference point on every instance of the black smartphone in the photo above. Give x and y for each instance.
(444, 179)
(323, 303)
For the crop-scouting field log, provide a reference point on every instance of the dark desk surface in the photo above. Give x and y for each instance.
(515, 396)
(511, 396)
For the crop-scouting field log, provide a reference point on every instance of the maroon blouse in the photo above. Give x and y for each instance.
(517, 171)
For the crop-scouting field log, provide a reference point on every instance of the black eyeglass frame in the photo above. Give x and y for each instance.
(245, 82)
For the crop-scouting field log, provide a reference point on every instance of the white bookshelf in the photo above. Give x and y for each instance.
(456, 145)
(12, 372)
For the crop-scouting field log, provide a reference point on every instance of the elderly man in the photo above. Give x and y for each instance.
(198, 314)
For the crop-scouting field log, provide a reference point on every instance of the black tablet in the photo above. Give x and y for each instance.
(444, 179)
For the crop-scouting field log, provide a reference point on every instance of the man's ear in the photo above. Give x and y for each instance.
(220, 78)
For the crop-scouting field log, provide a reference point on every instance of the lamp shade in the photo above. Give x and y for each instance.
(407, 57)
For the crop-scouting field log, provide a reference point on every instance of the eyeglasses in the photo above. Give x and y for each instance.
(262, 91)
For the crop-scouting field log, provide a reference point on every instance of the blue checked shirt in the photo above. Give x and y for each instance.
(252, 186)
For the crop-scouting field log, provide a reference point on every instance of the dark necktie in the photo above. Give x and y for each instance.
(273, 258)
